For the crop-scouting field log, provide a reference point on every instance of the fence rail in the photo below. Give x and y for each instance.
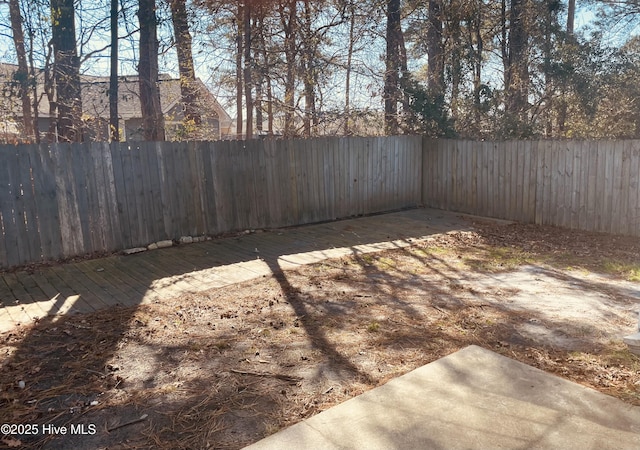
(67, 200)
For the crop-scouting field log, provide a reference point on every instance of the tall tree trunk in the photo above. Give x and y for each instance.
(34, 93)
(50, 92)
(288, 19)
(457, 56)
(258, 104)
(549, 89)
(477, 60)
(347, 87)
(188, 86)
(308, 76)
(114, 122)
(517, 74)
(393, 67)
(435, 49)
(571, 13)
(562, 106)
(22, 74)
(239, 47)
(66, 71)
(264, 77)
(248, 67)
(152, 117)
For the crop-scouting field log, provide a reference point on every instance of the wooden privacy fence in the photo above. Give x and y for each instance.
(587, 185)
(66, 200)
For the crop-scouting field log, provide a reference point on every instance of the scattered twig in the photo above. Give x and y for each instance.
(126, 424)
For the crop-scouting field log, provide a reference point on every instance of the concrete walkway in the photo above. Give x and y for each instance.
(472, 399)
(92, 285)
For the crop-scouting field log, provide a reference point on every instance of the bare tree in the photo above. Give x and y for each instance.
(562, 107)
(288, 16)
(22, 74)
(66, 71)
(516, 65)
(114, 122)
(347, 81)
(435, 49)
(182, 36)
(152, 117)
(392, 91)
(239, 78)
(246, 26)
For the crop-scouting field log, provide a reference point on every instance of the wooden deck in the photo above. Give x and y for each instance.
(97, 284)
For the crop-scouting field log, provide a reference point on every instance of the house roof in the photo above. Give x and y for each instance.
(95, 100)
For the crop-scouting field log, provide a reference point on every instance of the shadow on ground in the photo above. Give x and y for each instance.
(228, 366)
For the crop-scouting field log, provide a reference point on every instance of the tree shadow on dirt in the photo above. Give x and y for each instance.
(55, 372)
(208, 369)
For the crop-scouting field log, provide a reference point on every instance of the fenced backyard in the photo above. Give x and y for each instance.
(68, 200)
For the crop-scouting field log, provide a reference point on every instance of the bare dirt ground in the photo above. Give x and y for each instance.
(224, 368)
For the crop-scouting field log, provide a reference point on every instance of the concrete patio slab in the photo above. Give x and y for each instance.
(472, 399)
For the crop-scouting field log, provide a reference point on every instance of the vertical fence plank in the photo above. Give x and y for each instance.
(445, 174)
(96, 230)
(314, 172)
(46, 202)
(386, 174)
(209, 197)
(28, 158)
(512, 160)
(504, 179)
(454, 178)
(125, 193)
(120, 155)
(153, 187)
(609, 194)
(220, 170)
(521, 149)
(277, 184)
(600, 167)
(95, 175)
(9, 193)
(325, 158)
(528, 156)
(485, 181)
(554, 170)
(592, 185)
(576, 170)
(164, 162)
(184, 186)
(531, 153)
(634, 188)
(72, 238)
(624, 215)
(540, 171)
(136, 195)
(438, 174)
(583, 184)
(111, 197)
(79, 163)
(567, 175)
